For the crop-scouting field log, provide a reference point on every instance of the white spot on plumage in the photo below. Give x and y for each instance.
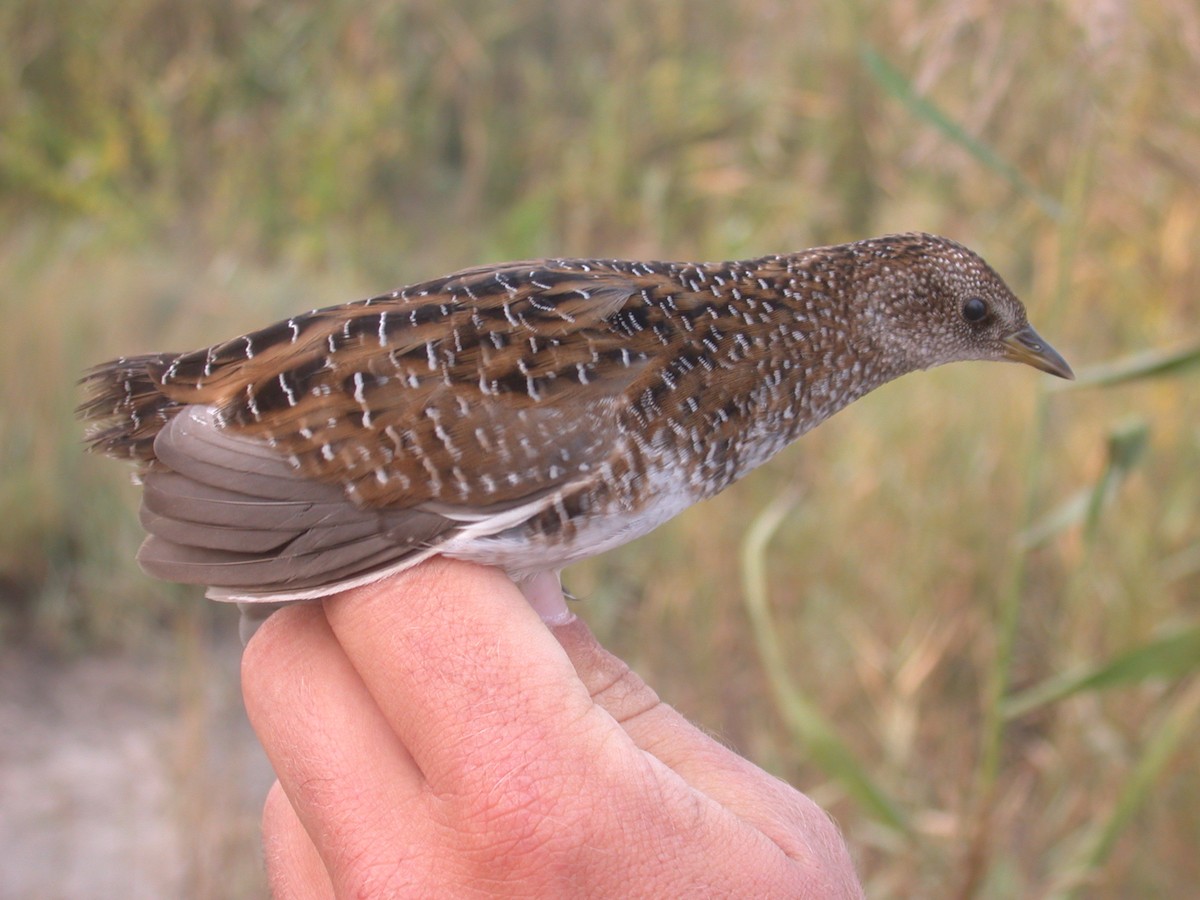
(287, 389)
(251, 403)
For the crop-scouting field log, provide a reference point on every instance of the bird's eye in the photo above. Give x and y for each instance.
(975, 309)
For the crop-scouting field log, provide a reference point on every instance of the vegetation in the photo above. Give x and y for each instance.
(973, 635)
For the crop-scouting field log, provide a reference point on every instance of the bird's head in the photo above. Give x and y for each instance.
(928, 301)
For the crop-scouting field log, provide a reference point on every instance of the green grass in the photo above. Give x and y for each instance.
(987, 590)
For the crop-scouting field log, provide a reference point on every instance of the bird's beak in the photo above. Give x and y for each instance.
(1027, 346)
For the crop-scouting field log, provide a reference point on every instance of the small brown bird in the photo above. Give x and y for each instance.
(524, 415)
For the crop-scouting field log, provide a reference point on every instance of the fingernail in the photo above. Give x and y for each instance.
(545, 595)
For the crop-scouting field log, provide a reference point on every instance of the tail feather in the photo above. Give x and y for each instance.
(125, 406)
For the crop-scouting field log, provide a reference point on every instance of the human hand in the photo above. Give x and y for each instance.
(432, 737)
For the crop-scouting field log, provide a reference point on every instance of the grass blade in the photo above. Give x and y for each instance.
(895, 83)
(1137, 367)
(803, 719)
(1172, 656)
(1126, 447)
(1176, 724)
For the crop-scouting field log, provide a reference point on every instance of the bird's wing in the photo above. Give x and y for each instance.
(448, 392)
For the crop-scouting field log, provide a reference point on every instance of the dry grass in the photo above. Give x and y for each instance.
(173, 173)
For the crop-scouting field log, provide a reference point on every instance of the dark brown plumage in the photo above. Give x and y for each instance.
(525, 415)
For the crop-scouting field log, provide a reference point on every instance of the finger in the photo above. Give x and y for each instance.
(462, 667)
(294, 868)
(790, 819)
(332, 750)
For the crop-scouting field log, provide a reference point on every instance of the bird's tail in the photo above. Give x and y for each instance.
(125, 407)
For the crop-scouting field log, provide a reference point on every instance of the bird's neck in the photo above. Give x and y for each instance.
(774, 351)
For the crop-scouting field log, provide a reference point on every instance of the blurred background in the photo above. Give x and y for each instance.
(971, 625)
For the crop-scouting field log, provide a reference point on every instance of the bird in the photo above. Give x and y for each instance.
(524, 415)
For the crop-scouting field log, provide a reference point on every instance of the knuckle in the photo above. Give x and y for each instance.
(625, 695)
(810, 837)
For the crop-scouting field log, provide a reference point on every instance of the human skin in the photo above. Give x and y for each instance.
(433, 737)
